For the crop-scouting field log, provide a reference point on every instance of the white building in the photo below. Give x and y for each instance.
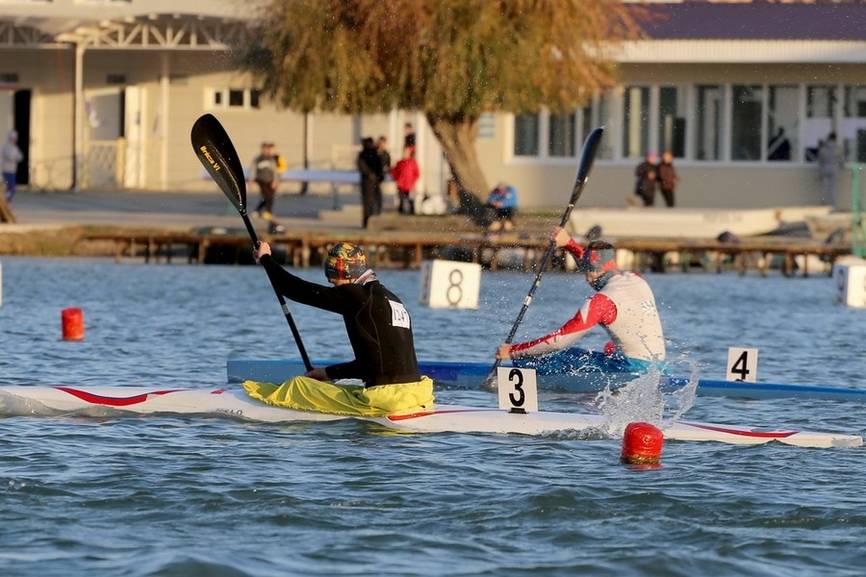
(711, 81)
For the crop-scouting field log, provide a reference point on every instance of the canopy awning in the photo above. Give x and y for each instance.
(174, 32)
(159, 32)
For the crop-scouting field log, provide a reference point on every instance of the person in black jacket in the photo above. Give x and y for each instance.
(377, 323)
(372, 175)
(646, 179)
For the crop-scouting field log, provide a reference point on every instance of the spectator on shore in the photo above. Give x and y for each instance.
(830, 162)
(406, 174)
(667, 177)
(384, 155)
(11, 156)
(779, 147)
(502, 201)
(408, 135)
(372, 175)
(265, 170)
(645, 180)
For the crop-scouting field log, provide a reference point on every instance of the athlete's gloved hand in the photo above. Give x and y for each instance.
(318, 374)
(559, 236)
(504, 352)
(263, 249)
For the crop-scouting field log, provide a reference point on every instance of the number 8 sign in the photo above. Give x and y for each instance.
(518, 391)
(450, 284)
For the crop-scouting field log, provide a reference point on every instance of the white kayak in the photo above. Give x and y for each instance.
(39, 400)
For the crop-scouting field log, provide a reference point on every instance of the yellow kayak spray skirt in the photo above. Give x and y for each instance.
(306, 394)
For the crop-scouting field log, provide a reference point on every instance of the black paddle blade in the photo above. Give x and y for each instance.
(215, 150)
(587, 157)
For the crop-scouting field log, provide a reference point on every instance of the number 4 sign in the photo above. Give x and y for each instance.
(518, 392)
(742, 365)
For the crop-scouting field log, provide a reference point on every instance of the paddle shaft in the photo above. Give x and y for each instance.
(301, 349)
(587, 158)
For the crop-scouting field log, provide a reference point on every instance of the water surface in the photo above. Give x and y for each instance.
(166, 496)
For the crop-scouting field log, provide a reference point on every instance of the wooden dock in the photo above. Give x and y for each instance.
(407, 249)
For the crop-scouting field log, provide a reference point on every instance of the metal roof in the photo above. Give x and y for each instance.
(752, 21)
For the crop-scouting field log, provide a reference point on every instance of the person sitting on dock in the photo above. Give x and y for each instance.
(623, 305)
(379, 330)
(502, 202)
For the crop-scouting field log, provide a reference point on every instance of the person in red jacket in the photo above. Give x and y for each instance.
(406, 174)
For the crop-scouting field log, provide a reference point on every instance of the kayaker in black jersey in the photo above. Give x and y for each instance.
(378, 325)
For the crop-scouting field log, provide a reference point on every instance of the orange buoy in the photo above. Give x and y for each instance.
(642, 444)
(73, 324)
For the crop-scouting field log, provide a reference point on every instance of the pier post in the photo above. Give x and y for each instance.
(788, 265)
(202, 250)
(305, 252)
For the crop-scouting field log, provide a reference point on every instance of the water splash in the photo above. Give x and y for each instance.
(643, 400)
(637, 400)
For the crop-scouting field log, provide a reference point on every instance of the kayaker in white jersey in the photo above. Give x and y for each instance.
(623, 305)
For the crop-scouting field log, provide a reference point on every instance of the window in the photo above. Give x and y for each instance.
(746, 122)
(235, 98)
(635, 136)
(561, 135)
(820, 101)
(526, 128)
(672, 120)
(853, 128)
(115, 78)
(604, 115)
(783, 123)
(819, 122)
(585, 122)
(708, 130)
(557, 137)
(855, 102)
(8, 78)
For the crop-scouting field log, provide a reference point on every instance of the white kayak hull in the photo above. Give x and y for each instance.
(16, 401)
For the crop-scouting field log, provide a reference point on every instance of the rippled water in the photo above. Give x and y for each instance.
(161, 496)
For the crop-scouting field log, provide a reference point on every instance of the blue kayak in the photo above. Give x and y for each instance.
(591, 373)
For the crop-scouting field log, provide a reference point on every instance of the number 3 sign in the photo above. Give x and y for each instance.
(518, 392)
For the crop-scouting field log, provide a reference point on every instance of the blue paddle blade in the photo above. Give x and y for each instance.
(215, 151)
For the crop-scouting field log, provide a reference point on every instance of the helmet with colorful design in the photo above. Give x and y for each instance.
(598, 255)
(345, 261)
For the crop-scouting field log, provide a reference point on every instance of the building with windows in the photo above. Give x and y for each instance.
(103, 93)
(741, 93)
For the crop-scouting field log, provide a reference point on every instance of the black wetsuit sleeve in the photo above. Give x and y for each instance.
(301, 291)
(350, 370)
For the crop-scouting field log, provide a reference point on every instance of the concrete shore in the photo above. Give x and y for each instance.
(52, 224)
(204, 227)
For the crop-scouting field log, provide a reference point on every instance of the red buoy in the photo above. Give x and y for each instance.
(642, 444)
(73, 324)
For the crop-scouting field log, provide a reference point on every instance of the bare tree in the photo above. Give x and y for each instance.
(451, 59)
